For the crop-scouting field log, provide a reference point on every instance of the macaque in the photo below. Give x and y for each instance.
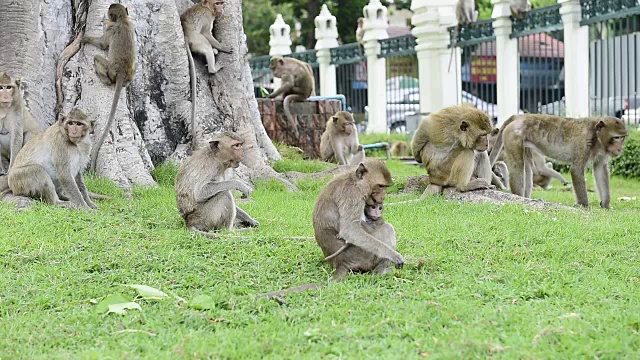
(400, 149)
(575, 141)
(49, 167)
(197, 23)
(519, 8)
(17, 126)
(466, 14)
(360, 34)
(450, 143)
(358, 157)
(119, 69)
(204, 198)
(298, 84)
(339, 142)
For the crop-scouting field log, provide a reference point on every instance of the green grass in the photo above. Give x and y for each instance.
(480, 281)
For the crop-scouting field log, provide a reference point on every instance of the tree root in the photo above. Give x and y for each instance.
(64, 58)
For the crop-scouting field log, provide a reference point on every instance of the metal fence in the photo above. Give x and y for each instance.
(614, 47)
(541, 60)
(351, 77)
(478, 65)
(402, 84)
(262, 77)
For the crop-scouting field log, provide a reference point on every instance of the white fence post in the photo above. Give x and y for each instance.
(507, 62)
(326, 38)
(279, 42)
(438, 86)
(576, 61)
(375, 29)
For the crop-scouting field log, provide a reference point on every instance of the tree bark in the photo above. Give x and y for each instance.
(153, 116)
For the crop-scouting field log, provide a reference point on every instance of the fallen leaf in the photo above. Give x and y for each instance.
(123, 307)
(111, 299)
(202, 302)
(148, 293)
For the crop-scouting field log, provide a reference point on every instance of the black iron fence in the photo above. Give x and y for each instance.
(402, 84)
(351, 77)
(541, 60)
(478, 65)
(614, 54)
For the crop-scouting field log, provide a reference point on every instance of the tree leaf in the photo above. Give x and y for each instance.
(103, 306)
(202, 302)
(122, 308)
(148, 293)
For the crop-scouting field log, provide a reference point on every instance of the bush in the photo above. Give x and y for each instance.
(628, 164)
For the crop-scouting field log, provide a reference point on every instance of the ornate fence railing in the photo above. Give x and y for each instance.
(398, 46)
(600, 10)
(536, 21)
(477, 33)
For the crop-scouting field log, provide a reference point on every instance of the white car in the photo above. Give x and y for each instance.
(631, 116)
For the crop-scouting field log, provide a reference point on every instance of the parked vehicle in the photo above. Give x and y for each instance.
(612, 106)
(631, 116)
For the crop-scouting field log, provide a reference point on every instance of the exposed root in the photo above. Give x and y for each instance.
(64, 58)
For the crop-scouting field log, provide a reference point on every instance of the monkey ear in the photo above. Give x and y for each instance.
(360, 171)
(281, 61)
(18, 82)
(600, 125)
(464, 126)
(334, 119)
(214, 144)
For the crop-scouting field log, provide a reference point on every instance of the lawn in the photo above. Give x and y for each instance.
(480, 280)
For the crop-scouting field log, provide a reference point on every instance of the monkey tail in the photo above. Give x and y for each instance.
(293, 123)
(192, 73)
(497, 148)
(342, 249)
(112, 114)
(456, 31)
(294, 289)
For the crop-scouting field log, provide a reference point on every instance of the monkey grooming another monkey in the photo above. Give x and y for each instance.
(197, 23)
(204, 199)
(51, 163)
(298, 84)
(574, 141)
(119, 39)
(519, 8)
(466, 14)
(446, 142)
(339, 142)
(400, 149)
(17, 126)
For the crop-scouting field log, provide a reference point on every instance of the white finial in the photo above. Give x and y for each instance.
(326, 29)
(280, 38)
(375, 21)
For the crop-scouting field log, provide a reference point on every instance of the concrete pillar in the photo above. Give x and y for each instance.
(576, 63)
(279, 42)
(507, 62)
(431, 19)
(326, 38)
(375, 29)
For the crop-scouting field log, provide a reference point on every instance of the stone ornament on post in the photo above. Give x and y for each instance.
(576, 46)
(375, 29)
(326, 38)
(507, 61)
(279, 42)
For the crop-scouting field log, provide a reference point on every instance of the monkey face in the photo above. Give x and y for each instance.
(373, 211)
(611, 133)
(482, 143)
(218, 8)
(117, 12)
(6, 95)
(76, 129)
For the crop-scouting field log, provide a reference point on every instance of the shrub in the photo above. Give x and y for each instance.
(628, 164)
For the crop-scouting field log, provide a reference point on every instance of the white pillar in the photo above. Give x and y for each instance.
(279, 42)
(507, 62)
(375, 29)
(431, 19)
(576, 63)
(326, 38)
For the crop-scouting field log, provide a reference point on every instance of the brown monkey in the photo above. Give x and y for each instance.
(400, 149)
(574, 141)
(298, 84)
(337, 221)
(204, 198)
(466, 14)
(50, 165)
(17, 126)
(197, 23)
(519, 8)
(119, 68)
(447, 141)
(358, 157)
(339, 142)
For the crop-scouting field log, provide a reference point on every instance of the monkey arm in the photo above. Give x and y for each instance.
(245, 218)
(99, 42)
(69, 186)
(215, 43)
(215, 187)
(353, 233)
(287, 85)
(84, 192)
(338, 151)
(17, 138)
(601, 175)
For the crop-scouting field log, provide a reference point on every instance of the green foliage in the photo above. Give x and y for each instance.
(165, 174)
(485, 8)
(257, 16)
(628, 164)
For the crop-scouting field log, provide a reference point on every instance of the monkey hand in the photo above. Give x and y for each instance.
(226, 49)
(244, 189)
(397, 260)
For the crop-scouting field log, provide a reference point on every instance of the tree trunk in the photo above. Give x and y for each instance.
(153, 116)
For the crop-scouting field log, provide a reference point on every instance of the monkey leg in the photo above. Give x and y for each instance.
(199, 45)
(387, 234)
(528, 172)
(217, 213)
(245, 219)
(548, 171)
(293, 123)
(579, 185)
(340, 273)
(33, 181)
(101, 65)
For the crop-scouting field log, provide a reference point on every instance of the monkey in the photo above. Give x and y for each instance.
(466, 14)
(543, 171)
(358, 157)
(349, 227)
(203, 197)
(447, 142)
(575, 141)
(119, 39)
(298, 84)
(519, 8)
(197, 23)
(339, 141)
(51, 164)
(17, 126)
(500, 175)
(400, 149)
(360, 34)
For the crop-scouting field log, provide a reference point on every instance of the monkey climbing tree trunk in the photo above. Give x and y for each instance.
(41, 44)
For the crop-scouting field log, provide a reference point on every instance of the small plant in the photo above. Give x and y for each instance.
(628, 164)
